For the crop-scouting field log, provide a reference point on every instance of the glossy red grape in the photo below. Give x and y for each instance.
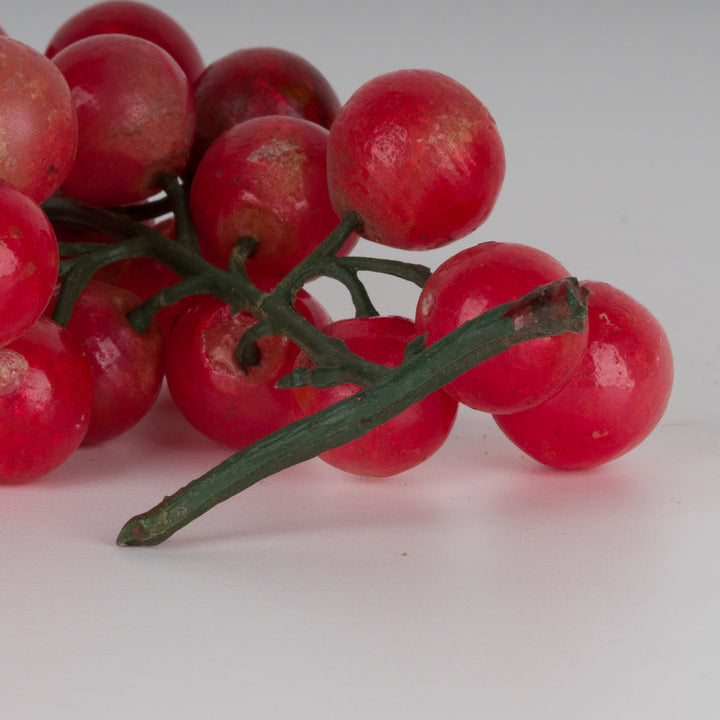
(418, 157)
(478, 279)
(614, 399)
(224, 403)
(127, 366)
(38, 126)
(28, 263)
(259, 81)
(136, 117)
(264, 178)
(131, 18)
(45, 399)
(406, 440)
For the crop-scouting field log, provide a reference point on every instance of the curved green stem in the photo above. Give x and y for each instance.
(553, 309)
(141, 316)
(288, 287)
(323, 350)
(79, 271)
(358, 292)
(247, 351)
(345, 270)
(414, 273)
(242, 250)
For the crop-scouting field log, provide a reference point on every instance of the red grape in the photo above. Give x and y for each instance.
(38, 126)
(418, 157)
(136, 117)
(615, 397)
(260, 81)
(45, 398)
(477, 279)
(127, 366)
(28, 263)
(131, 18)
(406, 440)
(226, 404)
(264, 178)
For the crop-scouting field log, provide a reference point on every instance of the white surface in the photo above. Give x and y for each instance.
(480, 585)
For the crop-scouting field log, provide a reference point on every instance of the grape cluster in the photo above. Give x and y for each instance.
(159, 219)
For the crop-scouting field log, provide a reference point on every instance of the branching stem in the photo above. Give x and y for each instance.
(233, 286)
(550, 310)
(553, 309)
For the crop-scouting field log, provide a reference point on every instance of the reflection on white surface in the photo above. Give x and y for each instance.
(481, 578)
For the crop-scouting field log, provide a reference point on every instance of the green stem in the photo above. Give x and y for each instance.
(78, 272)
(550, 310)
(417, 274)
(414, 273)
(185, 234)
(138, 240)
(141, 316)
(323, 350)
(242, 250)
(358, 292)
(345, 270)
(232, 287)
(80, 217)
(288, 287)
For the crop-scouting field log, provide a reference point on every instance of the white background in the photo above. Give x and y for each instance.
(481, 584)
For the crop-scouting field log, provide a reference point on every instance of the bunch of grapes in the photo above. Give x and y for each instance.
(159, 220)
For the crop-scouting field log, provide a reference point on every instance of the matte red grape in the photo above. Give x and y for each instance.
(136, 117)
(38, 125)
(253, 82)
(131, 18)
(476, 280)
(418, 157)
(224, 403)
(265, 178)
